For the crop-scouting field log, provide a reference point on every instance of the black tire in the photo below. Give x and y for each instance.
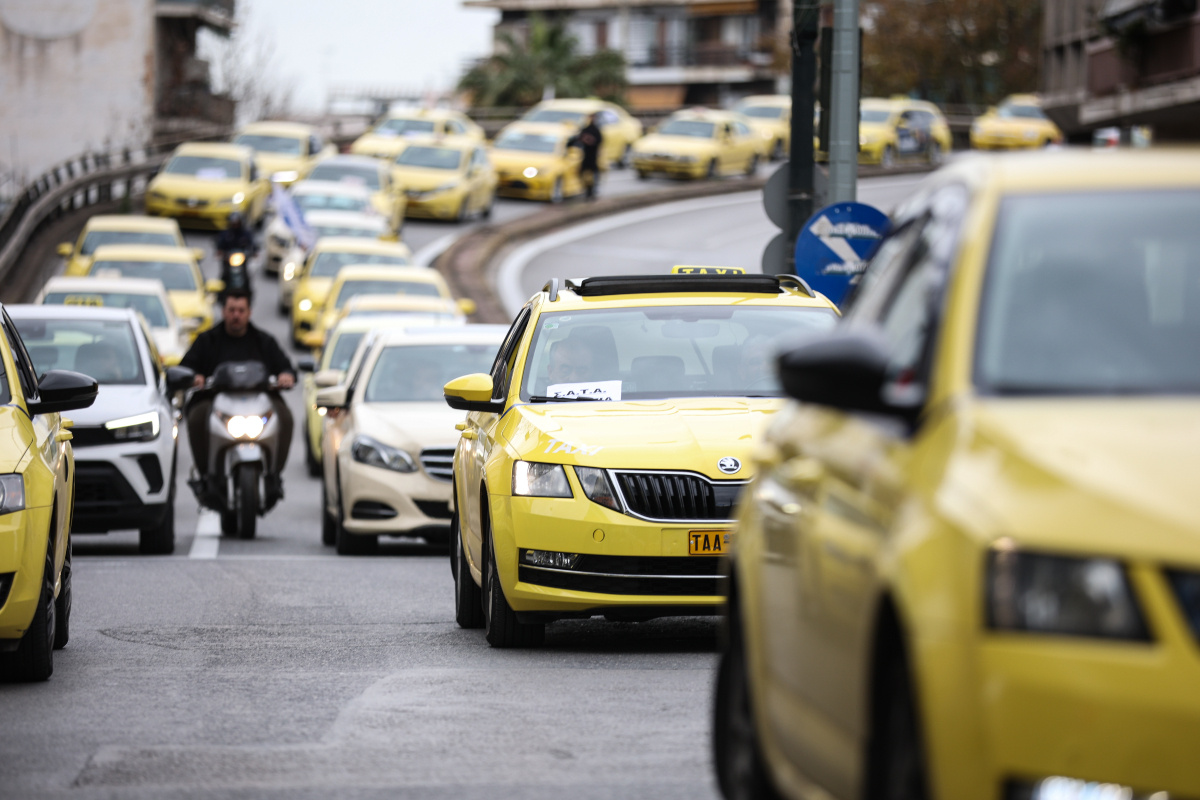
(468, 599)
(752, 167)
(62, 606)
(487, 210)
(283, 310)
(245, 487)
(712, 169)
(34, 658)
(896, 769)
(351, 544)
(556, 194)
(328, 523)
(643, 175)
(500, 624)
(887, 159)
(741, 771)
(159, 540)
(626, 157)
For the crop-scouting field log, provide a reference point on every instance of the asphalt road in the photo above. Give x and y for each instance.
(275, 668)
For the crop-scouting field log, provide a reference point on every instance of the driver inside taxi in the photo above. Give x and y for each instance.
(571, 361)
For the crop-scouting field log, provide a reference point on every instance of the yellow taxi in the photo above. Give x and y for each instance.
(969, 566)
(305, 290)
(283, 151)
(603, 455)
(425, 287)
(533, 161)
(119, 229)
(699, 143)
(387, 198)
(203, 183)
(899, 129)
(771, 116)
(389, 138)
(619, 130)
(191, 296)
(1017, 123)
(37, 491)
(446, 179)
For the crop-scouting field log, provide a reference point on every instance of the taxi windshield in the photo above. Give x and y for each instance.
(526, 142)
(360, 175)
(148, 304)
(261, 143)
(664, 351)
(175, 275)
(874, 115)
(1010, 111)
(417, 373)
(403, 127)
(344, 345)
(206, 168)
(100, 238)
(688, 127)
(383, 286)
(353, 231)
(329, 263)
(103, 349)
(554, 115)
(1095, 293)
(332, 202)
(763, 112)
(430, 157)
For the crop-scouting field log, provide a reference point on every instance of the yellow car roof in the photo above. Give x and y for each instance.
(132, 222)
(1079, 170)
(707, 115)
(387, 272)
(356, 244)
(215, 150)
(681, 289)
(766, 100)
(451, 142)
(423, 113)
(399, 302)
(573, 104)
(552, 128)
(142, 252)
(297, 130)
(1023, 100)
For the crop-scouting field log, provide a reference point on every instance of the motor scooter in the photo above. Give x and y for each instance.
(241, 479)
(235, 271)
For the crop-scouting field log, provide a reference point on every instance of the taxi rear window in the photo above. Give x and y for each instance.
(100, 238)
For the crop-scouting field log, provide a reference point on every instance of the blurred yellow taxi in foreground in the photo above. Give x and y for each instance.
(118, 229)
(446, 179)
(618, 129)
(203, 183)
(969, 565)
(306, 290)
(532, 161)
(283, 151)
(700, 143)
(175, 268)
(389, 138)
(1016, 123)
(895, 130)
(770, 115)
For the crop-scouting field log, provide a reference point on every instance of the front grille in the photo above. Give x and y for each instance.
(438, 463)
(152, 471)
(434, 509)
(90, 436)
(101, 490)
(1187, 592)
(678, 496)
(652, 575)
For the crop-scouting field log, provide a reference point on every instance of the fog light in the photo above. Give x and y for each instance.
(1061, 788)
(547, 558)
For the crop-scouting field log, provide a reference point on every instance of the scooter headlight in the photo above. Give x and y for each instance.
(246, 426)
(237, 259)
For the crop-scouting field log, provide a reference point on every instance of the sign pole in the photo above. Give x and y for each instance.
(805, 19)
(843, 113)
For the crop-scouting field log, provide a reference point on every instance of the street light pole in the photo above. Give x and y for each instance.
(843, 111)
(805, 19)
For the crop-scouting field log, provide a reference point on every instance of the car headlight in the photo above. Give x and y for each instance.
(158, 196)
(285, 176)
(305, 305)
(238, 198)
(445, 187)
(12, 493)
(366, 450)
(530, 172)
(139, 428)
(596, 486)
(246, 427)
(532, 479)
(1061, 595)
(289, 270)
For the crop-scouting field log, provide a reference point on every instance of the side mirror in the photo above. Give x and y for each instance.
(179, 379)
(332, 397)
(472, 393)
(847, 371)
(328, 377)
(306, 364)
(198, 253)
(64, 390)
(467, 306)
(214, 286)
(65, 249)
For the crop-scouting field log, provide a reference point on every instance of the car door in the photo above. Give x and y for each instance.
(339, 423)
(747, 143)
(478, 443)
(910, 142)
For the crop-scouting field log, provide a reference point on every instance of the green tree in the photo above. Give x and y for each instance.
(520, 73)
(951, 51)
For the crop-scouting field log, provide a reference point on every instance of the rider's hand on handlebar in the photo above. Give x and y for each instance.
(285, 380)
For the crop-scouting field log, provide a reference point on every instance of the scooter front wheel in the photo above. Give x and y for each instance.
(246, 499)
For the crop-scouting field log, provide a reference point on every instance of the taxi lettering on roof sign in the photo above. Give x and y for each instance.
(83, 300)
(683, 270)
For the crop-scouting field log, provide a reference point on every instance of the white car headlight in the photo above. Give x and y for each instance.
(532, 479)
(12, 493)
(289, 270)
(597, 487)
(445, 187)
(530, 172)
(139, 428)
(366, 450)
(238, 198)
(285, 176)
(246, 427)
(305, 305)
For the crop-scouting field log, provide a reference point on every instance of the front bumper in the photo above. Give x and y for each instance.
(380, 501)
(443, 205)
(22, 552)
(119, 486)
(632, 563)
(1000, 141)
(539, 188)
(673, 167)
(204, 215)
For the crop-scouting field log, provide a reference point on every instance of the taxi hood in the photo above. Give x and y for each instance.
(518, 159)
(689, 144)
(411, 426)
(680, 434)
(422, 180)
(197, 187)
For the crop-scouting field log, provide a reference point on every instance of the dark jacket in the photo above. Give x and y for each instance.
(588, 140)
(232, 239)
(215, 346)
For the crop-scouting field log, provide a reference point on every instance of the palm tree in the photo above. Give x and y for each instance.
(548, 65)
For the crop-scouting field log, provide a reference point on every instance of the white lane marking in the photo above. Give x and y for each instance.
(208, 535)
(429, 253)
(507, 280)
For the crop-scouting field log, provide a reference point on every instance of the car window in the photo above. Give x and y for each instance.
(5, 394)
(455, 126)
(104, 349)
(265, 143)
(502, 365)
(328, 263)
(357, 174)
(100, 238)
(688, 127)
(417, 373)
(741, 129)
(26, 372)
(430, 157)
(404, 127)
(333, 202)
(354, 288)
(150, 306)
(314, 145)
(527, 142)
(209, 168)
(174, 275)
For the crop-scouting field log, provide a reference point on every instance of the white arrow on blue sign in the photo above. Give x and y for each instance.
(833, 248)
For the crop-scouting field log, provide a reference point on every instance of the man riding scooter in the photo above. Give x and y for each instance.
(235, 246)
(235, 343)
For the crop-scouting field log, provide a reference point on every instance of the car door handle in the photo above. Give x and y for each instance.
(469, 435)
(63, 436)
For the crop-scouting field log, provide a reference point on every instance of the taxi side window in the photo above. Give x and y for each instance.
(455, 127)
(741, 129)
(502, 367)
(152, 349)
(314, 145)
(26, 373)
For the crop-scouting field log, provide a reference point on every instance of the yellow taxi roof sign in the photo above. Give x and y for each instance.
(683, 269)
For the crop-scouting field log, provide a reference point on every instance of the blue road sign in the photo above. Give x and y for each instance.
(833, 248)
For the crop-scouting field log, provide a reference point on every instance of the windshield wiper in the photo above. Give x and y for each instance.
(541, 398)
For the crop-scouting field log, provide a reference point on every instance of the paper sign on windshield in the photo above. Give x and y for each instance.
(595, 390)
(210, 174)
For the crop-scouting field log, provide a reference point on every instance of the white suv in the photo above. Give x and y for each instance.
(125, 443)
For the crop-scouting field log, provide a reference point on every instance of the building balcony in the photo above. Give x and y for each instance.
(713, 62)
(215, 14)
